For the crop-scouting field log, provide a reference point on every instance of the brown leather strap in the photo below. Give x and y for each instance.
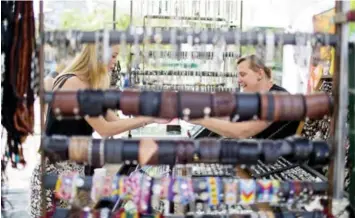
(168, 106)
(264, 105)
(181, 153)
(65, 103)
(318, 105)
(190, 150)
(278, 107)
(223, 104)
(195, 102)
(129, 102)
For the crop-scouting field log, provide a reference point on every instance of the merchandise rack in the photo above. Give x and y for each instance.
(341, 92)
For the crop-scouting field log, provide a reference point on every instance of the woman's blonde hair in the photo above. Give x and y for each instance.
(60, 67)
(88, 66)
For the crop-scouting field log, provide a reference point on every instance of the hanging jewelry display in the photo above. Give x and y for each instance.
(19, 80)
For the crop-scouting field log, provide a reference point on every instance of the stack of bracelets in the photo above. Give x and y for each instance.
(220, 193)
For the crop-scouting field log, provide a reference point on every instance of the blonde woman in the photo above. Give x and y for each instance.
(86, 71)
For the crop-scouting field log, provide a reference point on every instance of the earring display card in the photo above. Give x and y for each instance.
(200, 170)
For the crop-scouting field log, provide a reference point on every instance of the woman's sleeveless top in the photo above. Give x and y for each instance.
(64, 126)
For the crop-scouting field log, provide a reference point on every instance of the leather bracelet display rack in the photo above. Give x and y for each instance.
(191, 105)
(146, 151)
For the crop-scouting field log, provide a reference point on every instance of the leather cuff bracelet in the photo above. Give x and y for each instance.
(292, 107)
(267, 107)
(314, 108)
(197, 152)
(149, 103)
(130, 151)
(91, 102)
(247, 106)
(113, 151)
(198, 104)
(169, 98)
(302, 148)
(56, 148)
(166, 152)
(112, 99)
(189, 151)
(129, 102)
(204, 150)
(95, 160)
(223, 104)
(226, 156)
(65, 104)
(271, 151)
(215, 151)
(180, 153)
(78, 149)
(249, 151)
(321, 153)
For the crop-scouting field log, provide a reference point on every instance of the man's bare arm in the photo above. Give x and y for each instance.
(233, 130)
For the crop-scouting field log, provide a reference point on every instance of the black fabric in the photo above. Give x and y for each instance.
(68, 127)
(279, 129)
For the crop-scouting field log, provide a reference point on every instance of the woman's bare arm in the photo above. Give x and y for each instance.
(102, 126)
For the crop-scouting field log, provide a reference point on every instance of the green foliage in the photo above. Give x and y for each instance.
(98, 19)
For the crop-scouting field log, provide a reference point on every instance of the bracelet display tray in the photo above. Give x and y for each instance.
(284, 170)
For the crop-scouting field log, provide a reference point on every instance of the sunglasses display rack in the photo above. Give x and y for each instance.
(196, 195)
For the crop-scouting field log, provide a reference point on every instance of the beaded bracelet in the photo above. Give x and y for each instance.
(275, 191)
(247, 191)
(230, 192)
(264, 190)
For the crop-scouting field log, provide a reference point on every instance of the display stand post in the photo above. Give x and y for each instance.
(338, 124)
(42, 105)
(351, 157)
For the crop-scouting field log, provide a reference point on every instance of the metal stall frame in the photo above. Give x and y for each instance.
(338, 123)
(340, 93)
(351, 157)
(42, 104)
